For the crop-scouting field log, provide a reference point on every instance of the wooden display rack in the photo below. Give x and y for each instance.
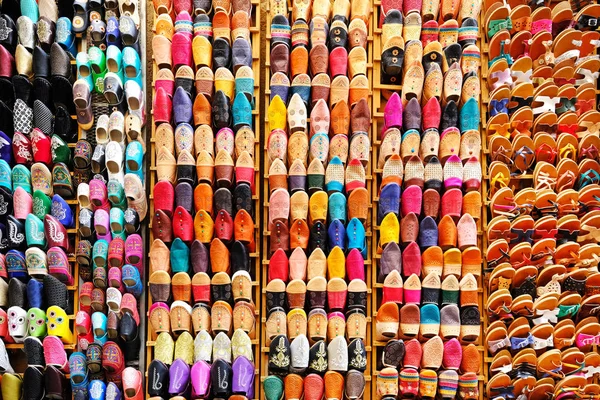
(264, 364)
(17, 357)
(381, 93)
(380, 90)
(255, 272)
(100, 106)
(486, 217)
(483, 44)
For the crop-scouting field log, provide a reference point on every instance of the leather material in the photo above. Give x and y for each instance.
(279, 355)
(338, 61)
(319, 59)
(221, 53)
(317, 362)
(280, 58)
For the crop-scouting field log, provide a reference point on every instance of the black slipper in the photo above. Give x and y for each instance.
(34, 350)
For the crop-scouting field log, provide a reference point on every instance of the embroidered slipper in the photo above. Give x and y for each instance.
(413, 83)
(433, 85)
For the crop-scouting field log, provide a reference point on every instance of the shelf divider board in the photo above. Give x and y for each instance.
(256, 260)
(255, 33)
(264, 367)
(481, 224)
(380, 94)
(151, 179)
(484, 47)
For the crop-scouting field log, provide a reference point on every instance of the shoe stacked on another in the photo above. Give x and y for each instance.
(109, 101)
(203, 260)
(110, 256)
(429, 207)
(37, 194)
(544, 176)
(36, 321)
(316, 322)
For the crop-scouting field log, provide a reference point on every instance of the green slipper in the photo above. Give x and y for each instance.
(98, 63)
(273, 387)
(60, 151)
(100, 253)
(41, 204)
(180, 256)
(116, 194)
(34, 232)
(36, 322)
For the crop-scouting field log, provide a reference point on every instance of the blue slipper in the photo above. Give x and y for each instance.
(6, 148)
(113, 35)
(355, 234)
(97, 390)
(65, 36)
(337, 207)
(99, 323)
(15, 264)
(132, 66)
(35, 294)
(242, 111)
(84, 69)
(469, 116)
(134, 159)
(132, 280)
(62, 211)
(114, 59)
(428, 233)
(389, 201)
(79, 371)
(337, 234)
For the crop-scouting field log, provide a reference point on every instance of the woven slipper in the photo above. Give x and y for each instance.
(54, 353)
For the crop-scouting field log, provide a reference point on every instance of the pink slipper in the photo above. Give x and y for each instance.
(134, 252)
(98, 193)
(132, 384)
(54, 353)
(116, 252)
(114, 279)
(83, 328)
(128, 303)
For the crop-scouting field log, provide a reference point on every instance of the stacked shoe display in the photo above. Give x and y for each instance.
(429, 178)
(37, 320)
(38, 210)
(109, 104)
(427, 225)
(416, 37)
(202, 256)
(544, 176)
(316, 292)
